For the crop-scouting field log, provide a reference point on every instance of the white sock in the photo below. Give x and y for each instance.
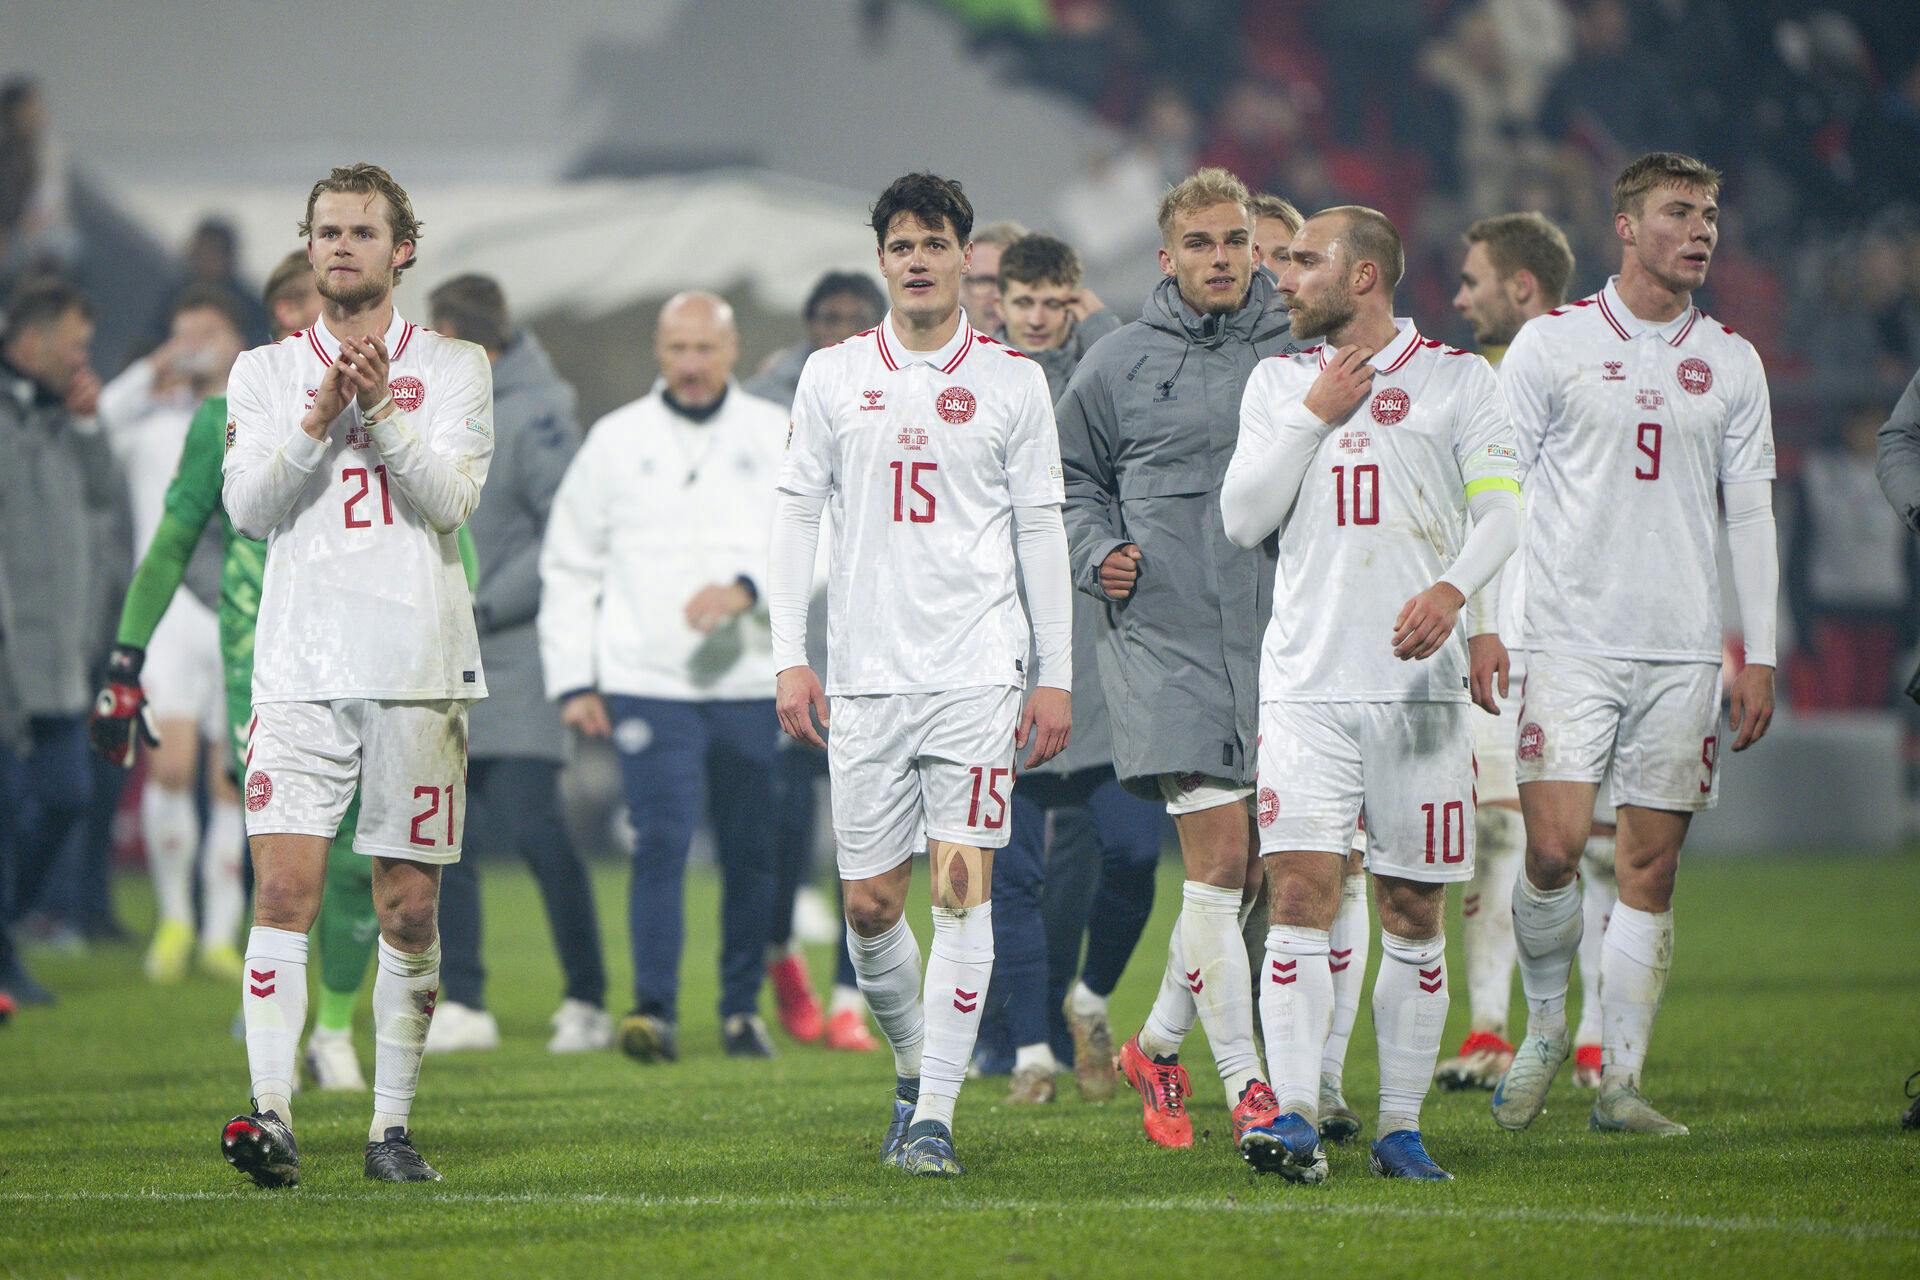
(1085, 1002)
(1598, 892)
(1486, 913)
(1546, 929)
(844, 998)
(1296, 1009)
(273, 1003)
(171, 827)
(1035, 1055)
(1347, 959)
(405, 987)
(887, 966)
(959, 966)
(223, 898)
(1173, 1012)
(1634, 961)
(1210, 935)
(1409, 1016)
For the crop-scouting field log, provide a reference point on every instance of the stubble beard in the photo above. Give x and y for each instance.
(364, 293)
(1317, 320)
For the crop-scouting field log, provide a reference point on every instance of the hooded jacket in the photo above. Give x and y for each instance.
(1148, 425)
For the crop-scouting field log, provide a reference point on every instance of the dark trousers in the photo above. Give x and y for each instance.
(1091, 877)
(678, 761)
(80, 890)
(795, 810)
(513, 803)
(49, 793)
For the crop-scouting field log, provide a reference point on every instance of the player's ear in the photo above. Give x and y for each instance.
(1166, 262)
(402, 254)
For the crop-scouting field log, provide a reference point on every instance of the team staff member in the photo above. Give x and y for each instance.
(651, 633)
(1147, 427)
(517, 743)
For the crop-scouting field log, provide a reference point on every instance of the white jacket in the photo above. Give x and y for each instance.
(653, 508)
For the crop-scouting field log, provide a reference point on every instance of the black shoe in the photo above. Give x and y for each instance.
(261, 1146)
(745, 1036)
(647, 1038)
(393, 1159)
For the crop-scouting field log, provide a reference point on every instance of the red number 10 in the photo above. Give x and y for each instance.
(1366, 497)
(1452, 833)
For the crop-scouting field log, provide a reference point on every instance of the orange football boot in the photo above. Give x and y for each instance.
(1163, 1090)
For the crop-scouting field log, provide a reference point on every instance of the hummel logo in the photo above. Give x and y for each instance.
(1194, 982)
(262, 984)
(432, 1001)
(1613, 373)
(1470, 905)
(1286, 974)
(1338, 960)
(1431, 980)
(874, 400)
(966, 1001)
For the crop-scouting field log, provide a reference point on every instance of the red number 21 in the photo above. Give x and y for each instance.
(351, 474)
(433, 796)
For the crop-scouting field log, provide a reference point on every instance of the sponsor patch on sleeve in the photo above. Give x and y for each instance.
(233, 432)
(1503, 452)
(478, 427)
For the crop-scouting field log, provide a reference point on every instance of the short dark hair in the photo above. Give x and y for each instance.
(15, 92)
(849, 284)
(1527, 242)
(39, 303)
(1040, 259)
(476, 308)
(1371, 237)
(219, 230)
(1659, 169)
(930, 199)
(210, 297)
(370, 179)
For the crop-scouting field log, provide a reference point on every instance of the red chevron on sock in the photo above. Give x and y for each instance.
(267, 990)
(1338, 960)
(1286, 974)
(1470, 905)
(966, 1001)
(258, 976)
(1194, 982)
(1431, 980)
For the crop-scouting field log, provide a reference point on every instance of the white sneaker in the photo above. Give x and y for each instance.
(1522, 1093)
(456, 1029)
(332, 1062)
(814, 922)
(1621, 1109)
(579, 1027)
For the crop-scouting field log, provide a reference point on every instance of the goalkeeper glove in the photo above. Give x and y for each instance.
(121, 724)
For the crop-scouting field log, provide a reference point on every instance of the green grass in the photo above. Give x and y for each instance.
(1788, 1027)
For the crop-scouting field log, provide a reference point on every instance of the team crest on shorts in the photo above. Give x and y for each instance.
(955, 405)
(1696, 379)
(1390, 406)
(1533, 739)
(409, 393)
(259, 790)
(1269, 806)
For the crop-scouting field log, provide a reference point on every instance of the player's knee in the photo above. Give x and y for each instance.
(1410, 909)
(962, 875)
(408, 921)
(1553, 857)
(871, 913)
(172, 767)
(1296, 897)
(282, 901)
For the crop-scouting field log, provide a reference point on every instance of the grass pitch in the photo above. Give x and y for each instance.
(1788, 1027)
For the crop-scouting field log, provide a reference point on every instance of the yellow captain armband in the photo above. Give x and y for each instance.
(1486, 483)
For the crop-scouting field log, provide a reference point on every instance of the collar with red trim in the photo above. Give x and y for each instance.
(1614, 310)
(895, 355)
(1395, 354)
(326, 347)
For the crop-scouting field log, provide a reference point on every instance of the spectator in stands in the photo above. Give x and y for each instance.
(37, 231)
(212, 262)
(1853, 575)
(58, 474)
(1611, 99)
(840, 304)
(515, 741)
(652, 633)
(980, 287)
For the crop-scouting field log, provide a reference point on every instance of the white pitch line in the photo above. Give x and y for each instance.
(1294, 1206)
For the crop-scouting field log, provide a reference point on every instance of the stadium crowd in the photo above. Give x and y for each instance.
(638, 617)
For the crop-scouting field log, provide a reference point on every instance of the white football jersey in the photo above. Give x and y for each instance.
(1380, 516)
(145, 432)
(364, 595)
(922, 457)
(1626, 431)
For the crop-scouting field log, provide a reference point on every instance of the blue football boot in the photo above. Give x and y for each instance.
(1403, 1155)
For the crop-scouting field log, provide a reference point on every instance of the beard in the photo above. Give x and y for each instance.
(1318, 319)
(363, 291)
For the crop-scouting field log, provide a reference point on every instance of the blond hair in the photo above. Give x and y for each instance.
(1661, 169)
(369, 179)
(1201, 190)
(1279, 208)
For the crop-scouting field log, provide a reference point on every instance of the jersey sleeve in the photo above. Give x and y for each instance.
(193, 495)
(1526, 383)
(1278, 438)
(1483, 434)
(1033, 447)
(438, 459)
(1746, 450)
(807, 468)
(269, 462)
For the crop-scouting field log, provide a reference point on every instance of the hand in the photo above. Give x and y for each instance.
(715, 605)
(365, 361)
(166, 364)
(587, 712)
(1085, 303)
(1119, 571)
(1048, 721)
(797, 698)
(83, 394)
(1426, 621)
(1487, 663)
(1750, 705)
(1343, 384)
(329, 402)
(121, 723)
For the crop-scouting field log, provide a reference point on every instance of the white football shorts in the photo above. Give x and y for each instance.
(408, 759)
(1405, 767)
(181, 674)
(1192, 792)
(1654, 722)
(906, 768)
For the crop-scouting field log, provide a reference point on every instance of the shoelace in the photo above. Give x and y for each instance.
(1173, 1088)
